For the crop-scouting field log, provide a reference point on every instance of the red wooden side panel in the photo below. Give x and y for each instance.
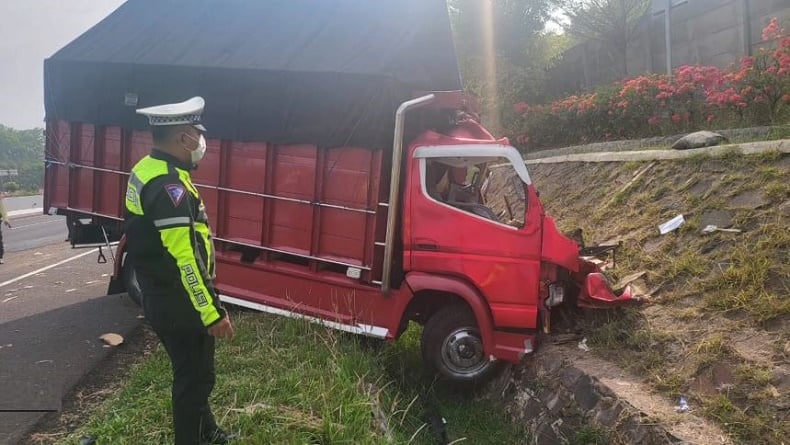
(243, 221)
(247, 166)
(111, 154)
(312, 202)
(294, 178)
(140, 146)
(206, 178)
(343, 236)
(242, 218)
(56, 192)
(291, 227)
(82, 153)
(350, 181)
(110, 186)
(207, 172)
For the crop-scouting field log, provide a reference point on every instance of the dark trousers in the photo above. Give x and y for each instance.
(191, 350)
(2, 250)
(192, 359)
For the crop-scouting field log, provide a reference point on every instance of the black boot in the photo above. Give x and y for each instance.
(217, 437)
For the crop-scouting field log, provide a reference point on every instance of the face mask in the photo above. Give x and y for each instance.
(198, 153)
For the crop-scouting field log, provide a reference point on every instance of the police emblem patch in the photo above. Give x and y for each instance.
(176, 193)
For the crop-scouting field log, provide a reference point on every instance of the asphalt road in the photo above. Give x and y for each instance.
(34, 231)
(53, 309)
(23, 202)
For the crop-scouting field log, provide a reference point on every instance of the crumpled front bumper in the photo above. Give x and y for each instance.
(597, 293)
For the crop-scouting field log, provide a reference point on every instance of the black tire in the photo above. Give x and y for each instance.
(453, 348)
(131, 284)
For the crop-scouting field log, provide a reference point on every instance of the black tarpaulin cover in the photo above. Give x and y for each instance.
(330, 72)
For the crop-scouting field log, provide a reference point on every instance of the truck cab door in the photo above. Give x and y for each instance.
(454, 226)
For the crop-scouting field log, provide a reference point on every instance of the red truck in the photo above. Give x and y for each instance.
(338, 189)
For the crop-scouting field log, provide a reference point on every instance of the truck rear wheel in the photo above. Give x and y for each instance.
(131, 284)
(453, 347)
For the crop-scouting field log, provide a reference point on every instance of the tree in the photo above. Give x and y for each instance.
(504, 52)
(24, 151)
(611, 22)
(11, 187)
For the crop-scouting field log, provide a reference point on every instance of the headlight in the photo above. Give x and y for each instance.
(556, 295)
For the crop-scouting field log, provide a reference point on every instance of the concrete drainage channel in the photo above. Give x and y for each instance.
(781, 146)
(759, 133)
(565, 395)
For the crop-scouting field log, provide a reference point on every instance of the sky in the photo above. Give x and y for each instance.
(31, 31)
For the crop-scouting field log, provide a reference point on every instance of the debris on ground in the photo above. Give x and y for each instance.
(112, 339)
(583, 345)
(698, 139)
(683, 405)
(672, 224)
(629, 279)
(712, 228)
(603, 265)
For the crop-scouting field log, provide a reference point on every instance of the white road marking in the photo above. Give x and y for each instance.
(25, 212)
(14, 227)
(46, 268)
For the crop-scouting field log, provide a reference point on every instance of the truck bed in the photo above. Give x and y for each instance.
(323, 208)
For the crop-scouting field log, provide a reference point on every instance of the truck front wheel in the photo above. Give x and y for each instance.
(453, 347)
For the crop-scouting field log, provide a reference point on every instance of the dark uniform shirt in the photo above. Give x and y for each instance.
(169, 244)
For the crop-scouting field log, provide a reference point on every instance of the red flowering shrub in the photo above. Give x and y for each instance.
(695, 97)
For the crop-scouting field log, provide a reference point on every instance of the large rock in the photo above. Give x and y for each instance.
(698, 139)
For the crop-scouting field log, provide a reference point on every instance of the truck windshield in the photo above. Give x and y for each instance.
(486, 187)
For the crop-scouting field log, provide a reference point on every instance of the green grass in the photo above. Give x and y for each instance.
(742, 286)
(780, 132)
(290, 382)
(777, 191)
(748, 427)
(707, 287)
(590, 436)
(753, 374)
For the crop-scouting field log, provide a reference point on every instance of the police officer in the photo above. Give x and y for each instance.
(170, 248)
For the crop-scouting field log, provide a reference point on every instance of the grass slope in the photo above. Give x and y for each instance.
(719, 328)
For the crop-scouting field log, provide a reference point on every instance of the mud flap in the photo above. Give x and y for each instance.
(116, 286)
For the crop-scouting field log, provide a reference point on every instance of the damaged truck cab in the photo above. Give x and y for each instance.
(473, 220)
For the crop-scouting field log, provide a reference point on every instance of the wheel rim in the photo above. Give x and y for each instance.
(462, 352)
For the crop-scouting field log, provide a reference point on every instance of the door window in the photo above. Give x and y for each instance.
(487, 188)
